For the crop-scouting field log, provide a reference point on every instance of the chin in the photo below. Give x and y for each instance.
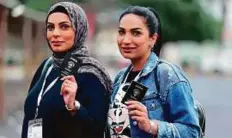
(58, 49)
(128, 56)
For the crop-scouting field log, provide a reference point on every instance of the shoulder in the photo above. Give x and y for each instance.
(43, 63)
(120, 74)
(88, 79)
(90, 82)
(38, 72)
(171, 73)
(171, 76)
(87, 76)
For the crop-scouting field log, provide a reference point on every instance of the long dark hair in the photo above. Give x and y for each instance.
(153, 23)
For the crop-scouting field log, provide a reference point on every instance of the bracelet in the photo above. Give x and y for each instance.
(152, 125)
(77, 106)
(69, 109)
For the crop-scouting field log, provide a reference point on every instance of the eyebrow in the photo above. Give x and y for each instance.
(133, 29)
(60, 22)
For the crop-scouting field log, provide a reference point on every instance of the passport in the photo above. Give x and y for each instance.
(69, 66)
(136, 91)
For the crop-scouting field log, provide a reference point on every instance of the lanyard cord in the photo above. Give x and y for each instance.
(42, 92)
(121, 93)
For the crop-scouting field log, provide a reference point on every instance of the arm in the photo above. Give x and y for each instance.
(182, 115)
(94, 111)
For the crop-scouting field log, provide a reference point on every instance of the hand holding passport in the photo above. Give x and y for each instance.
(136, 91)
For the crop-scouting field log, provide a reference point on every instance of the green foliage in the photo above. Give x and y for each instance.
(40, 5)
(44, 5)
(183, 19)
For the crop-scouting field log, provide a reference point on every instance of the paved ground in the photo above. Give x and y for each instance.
(15, 94)
(215, 94)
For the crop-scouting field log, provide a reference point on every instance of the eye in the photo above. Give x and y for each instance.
(121, 32)
(65, 26)
(50, 27)
(136, 33)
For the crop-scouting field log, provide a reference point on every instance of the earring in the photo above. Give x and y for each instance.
(152, 47)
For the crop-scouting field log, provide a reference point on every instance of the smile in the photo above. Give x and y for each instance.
(128, 49)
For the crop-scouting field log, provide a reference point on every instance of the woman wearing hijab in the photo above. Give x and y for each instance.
(166, 110)
(71, 106)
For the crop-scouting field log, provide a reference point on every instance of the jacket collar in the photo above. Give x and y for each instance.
(148, 67)
(150, 64)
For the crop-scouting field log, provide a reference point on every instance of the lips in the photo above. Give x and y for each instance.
(57, 43)
(128, 49)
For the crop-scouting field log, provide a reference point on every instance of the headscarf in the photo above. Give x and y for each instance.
(79, 50)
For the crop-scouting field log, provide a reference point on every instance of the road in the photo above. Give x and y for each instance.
(215, 94)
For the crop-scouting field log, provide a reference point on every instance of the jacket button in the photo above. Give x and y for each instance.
(153, 105)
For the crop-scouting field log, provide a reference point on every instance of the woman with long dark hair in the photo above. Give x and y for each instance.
(167, 108)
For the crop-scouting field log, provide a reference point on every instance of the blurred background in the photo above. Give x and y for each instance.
(196, 33)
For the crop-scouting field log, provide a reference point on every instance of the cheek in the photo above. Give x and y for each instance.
(49, 36)
(69, 38)
(119, 40)
(140, 41)
(143, 45)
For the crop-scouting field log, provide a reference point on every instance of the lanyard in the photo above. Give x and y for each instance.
(121, 93)
(42, 92)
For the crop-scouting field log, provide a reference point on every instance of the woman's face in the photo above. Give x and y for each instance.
(133, 38)
(60, 33)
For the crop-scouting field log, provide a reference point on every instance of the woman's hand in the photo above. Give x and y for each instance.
(138, 112)
(69, 91)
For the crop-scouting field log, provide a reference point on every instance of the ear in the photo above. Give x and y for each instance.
(153, 39)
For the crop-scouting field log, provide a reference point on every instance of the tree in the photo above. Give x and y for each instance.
(44, 5)
(183, 19)
(224, 14)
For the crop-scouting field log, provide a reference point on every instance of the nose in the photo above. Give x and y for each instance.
(56, 32)
(126, 39)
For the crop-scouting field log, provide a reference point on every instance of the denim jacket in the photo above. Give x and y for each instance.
(172, 107)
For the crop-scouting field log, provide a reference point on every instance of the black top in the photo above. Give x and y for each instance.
(132, 75)
(88, 122)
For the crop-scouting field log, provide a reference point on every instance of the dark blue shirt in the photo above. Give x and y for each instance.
(88, 122)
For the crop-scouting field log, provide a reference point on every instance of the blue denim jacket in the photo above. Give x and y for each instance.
(173, 106)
